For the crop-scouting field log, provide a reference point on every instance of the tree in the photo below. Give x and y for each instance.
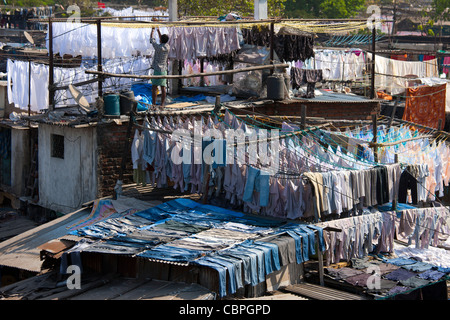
(223, 7)
(338, 9)
(439, 12)
(331, 9)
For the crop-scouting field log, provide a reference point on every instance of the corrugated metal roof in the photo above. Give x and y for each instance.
(22, 251)
(336, 97)
(101, 287)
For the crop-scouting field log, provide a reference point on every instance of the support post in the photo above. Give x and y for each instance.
(372, 91)
(99, 57)
(173, 10)
(320, 259)
(51, 91)
(374, 130)
(395, 200)
(272, 34)
(202, 78)
(260, 9)
(394, 110)
(303, 126)
(176, 67)
(29, 91)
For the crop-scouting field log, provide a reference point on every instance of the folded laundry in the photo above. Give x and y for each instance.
(343, 273)
(400, 274)
(432, 275)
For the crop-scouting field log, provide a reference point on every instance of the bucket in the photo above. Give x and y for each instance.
(275, 87)
(112, 105)
(126, 101)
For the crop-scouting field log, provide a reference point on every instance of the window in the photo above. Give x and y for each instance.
(57, 146)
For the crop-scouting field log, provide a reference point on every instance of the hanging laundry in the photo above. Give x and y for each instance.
(287, 47)
(426, 105)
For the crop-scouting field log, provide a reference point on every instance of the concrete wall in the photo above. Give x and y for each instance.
(65, 184)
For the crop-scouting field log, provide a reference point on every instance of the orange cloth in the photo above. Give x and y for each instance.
(383, 95)
(425, 105)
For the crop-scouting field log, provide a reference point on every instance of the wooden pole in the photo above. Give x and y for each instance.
(372, 92)
(395, 200)
(215, 73)
(320, 259)
(374, 130)
(303, 126)
(272, 35)
(29, 91)
(394, 110)
(99, 57)
(51, 91)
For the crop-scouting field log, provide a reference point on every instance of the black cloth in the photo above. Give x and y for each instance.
(300, 77)
(407, 181)
(287, 47)
(382, 185)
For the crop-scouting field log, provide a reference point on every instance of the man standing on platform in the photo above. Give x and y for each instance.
(159, 66)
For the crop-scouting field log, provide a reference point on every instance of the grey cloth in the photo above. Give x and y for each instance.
(414, 282)
(399, 275)
(343, 273)
(384, 285)
(286, 248)
(431, 275)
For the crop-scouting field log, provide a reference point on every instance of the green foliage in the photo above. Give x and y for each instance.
(440, 11)
(332, 9)
(222, 7)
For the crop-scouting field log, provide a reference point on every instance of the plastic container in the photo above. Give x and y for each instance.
(112, 105)
(126, 101)
(275, 87)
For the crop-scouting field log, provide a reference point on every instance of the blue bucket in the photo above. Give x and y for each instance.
(112, 105)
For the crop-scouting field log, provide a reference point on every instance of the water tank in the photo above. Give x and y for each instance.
(275, 87)
(126, 101)
(112, 105)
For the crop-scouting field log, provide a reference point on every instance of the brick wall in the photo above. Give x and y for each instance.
(327, 110)
(111, 139)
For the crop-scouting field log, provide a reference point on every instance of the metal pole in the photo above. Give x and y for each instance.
(372, 93)
(272, 31)
(303, 126)
(374, 130)
(99, 57)
(51, 92)
(29, 91)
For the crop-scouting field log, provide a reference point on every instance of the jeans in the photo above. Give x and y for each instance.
(267, 253)
(298, 245)
(310, 235)
(275, 254)
(254, 265)
(169, 253)
(260, 183)
(222, 274)
(260, 260)
(246, 264)
(230, 266)
(321, 239)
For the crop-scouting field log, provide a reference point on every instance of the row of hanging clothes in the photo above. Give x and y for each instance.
(426, 162)
(299, 178)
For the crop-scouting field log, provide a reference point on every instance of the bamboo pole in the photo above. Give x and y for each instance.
(204, 74)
